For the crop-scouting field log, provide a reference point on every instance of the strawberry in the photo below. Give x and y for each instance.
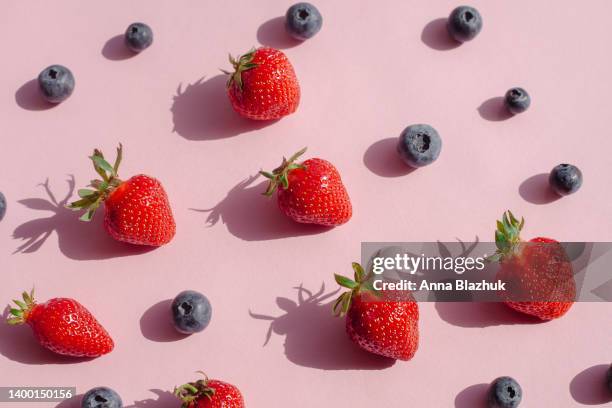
(207, 393)
(62, 325)
(538, 269)
(381, 322)
(310, 192)
(263, 85)
(136, 211)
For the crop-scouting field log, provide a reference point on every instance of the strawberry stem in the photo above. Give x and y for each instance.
(240, 64)
(191, 392)
(20, 316)
(280, 175)
(360, 283)
(507, 236)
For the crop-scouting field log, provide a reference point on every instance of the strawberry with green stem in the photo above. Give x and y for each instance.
(381, 322)
(310, 192)
(206, 393)
(137, 211)
(62, 325)
(538, 272)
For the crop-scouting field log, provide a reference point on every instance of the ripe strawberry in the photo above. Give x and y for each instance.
(63, 326)
(538, 272)
(263, 85)
(381, 322)
(207, 393)
(310, 192)
(136, 211)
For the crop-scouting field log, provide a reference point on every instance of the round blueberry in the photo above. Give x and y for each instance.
(504, 392)
(303, 21)
(101, 397)
(565, 179)
(517, 100)
(464, 23)
(56, 83)
(419, 145)
(191, 312)
(138, 36)
(2, 206)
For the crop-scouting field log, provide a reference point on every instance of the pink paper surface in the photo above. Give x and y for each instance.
(373, 69)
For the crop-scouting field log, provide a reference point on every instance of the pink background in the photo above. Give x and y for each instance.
(374, 68)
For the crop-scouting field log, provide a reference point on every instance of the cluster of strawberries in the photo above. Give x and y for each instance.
(263, 86)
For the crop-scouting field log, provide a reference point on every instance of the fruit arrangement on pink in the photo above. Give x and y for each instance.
(262, 86)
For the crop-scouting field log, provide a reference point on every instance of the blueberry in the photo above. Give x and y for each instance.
(191, 312)
(303, 21)
(565, 179)
(464, 23)
(504, 392)
(610, 378)
(419, 145)
(517, 100)
(56, 83)
(138, 36)
(101, 397)
(2, 206)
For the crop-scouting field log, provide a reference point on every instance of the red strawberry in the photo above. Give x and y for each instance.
(310, 192)
(381, 322)
(538, 269)
(263, 85)
(63, 326)
(207, 393)
(137, 210)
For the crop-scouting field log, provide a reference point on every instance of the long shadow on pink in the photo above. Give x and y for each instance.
(250, 216)
(272, 33)
(77, 239)
(382, 159)
(164, 399)
(589, 386)
(202, 111)
(536, 190)
(436, 36)
(156, 323)
(17, 343)
(314, 337)
(74, 402)
(474, 396)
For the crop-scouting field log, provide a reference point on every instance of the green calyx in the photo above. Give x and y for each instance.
(20, 315)
(279, 175)
(507, 236)
(191, 392)
(90, 199)
(240, 64)
(361, 282)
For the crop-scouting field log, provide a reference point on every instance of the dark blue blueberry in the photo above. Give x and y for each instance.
(191, 312)
(56, 83)
(565, 179)
(419, 145)
(2, 206)
(101, 397)
(138, 36)
(517, 100)
(303, 21)
(504, 392)
(464, 23)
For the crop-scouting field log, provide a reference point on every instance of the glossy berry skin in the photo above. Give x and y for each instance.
(66, 327)
(2, 206)
(303, 21)
(191, 312)
(56, 83)
(315, 195)
(101, 397)
(539, 270)
(464, 23)
(517, 100)
(269, 90)
(138, 212)
(419, 145)
(224, 395)
(138, 36)
(386, 326)
(504, 392)
(565, 179)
